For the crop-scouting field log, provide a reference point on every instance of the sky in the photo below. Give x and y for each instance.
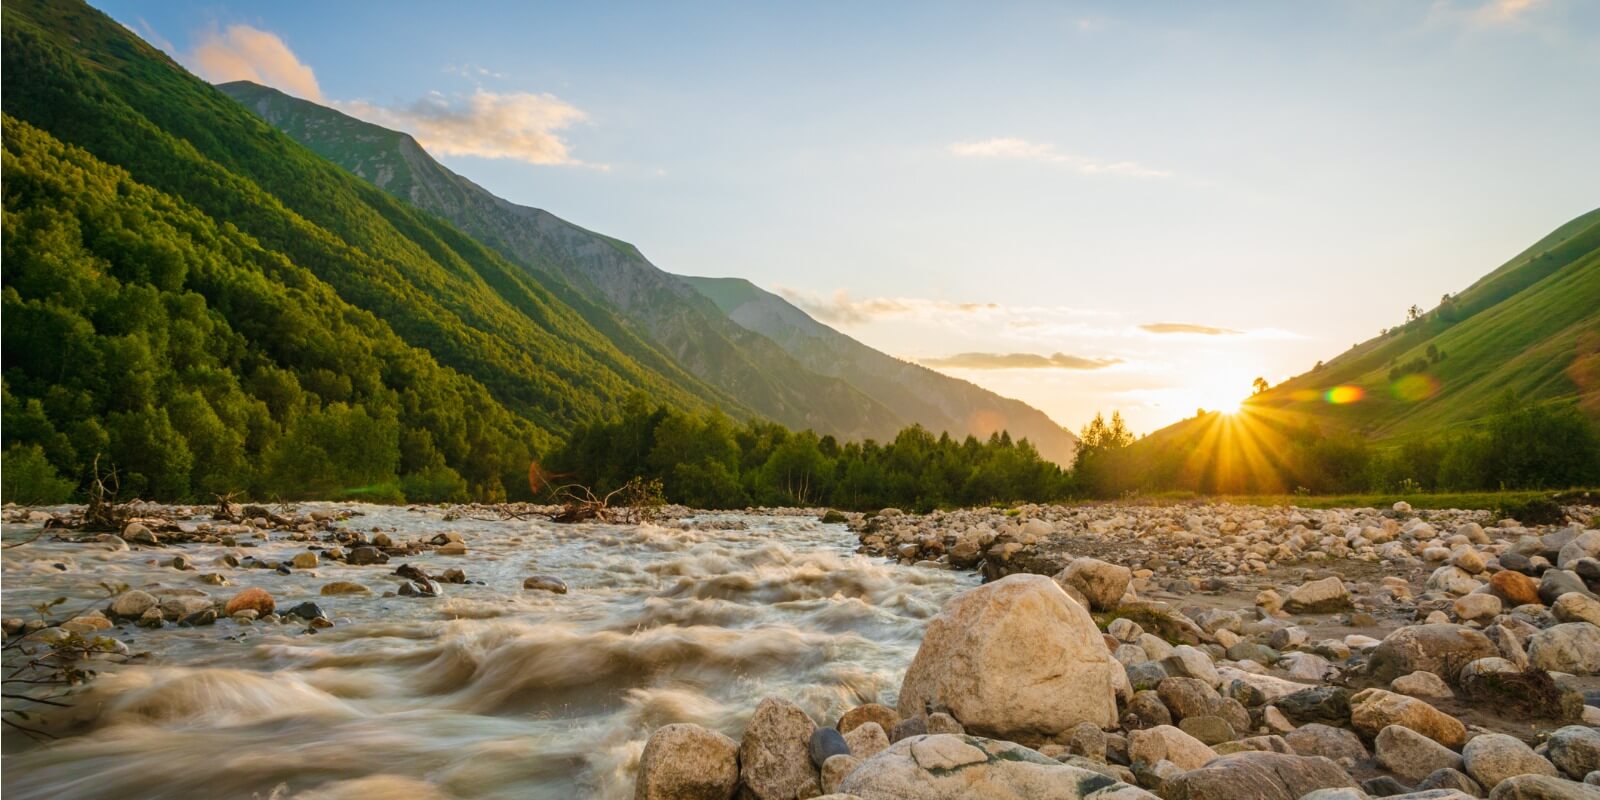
(1087, 206)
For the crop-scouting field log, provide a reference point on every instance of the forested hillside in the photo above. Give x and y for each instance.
(201, 300)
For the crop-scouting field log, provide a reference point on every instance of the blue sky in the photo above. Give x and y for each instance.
(955, 182)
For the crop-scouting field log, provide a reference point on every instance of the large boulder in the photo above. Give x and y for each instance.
(1439, 648)
(1015, 659)
(775, 754)
(1103, 583)
(1494, 757)
(1412, 756)
(1572, 647)
(1372, 710)
(954, 767)
(1258, 776)
(1575, 749)
(1318, 597)
(687, 762)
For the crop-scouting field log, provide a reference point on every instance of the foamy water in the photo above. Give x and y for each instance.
(488, 692)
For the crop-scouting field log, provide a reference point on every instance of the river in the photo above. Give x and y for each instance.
(488, 692)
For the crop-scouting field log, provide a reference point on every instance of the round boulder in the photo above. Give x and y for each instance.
(687, 762)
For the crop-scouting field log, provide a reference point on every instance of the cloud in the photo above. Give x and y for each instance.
(1018, 361)
(1184, 327)
(1491, 14)
(244, 53)
(841, 310)
(522, 126)
(1023, 150)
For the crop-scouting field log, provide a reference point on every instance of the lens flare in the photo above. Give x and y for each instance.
(1305, 395)
(1343, 395)
(1415, 387)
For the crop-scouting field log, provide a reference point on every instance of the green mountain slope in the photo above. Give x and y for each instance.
(410, 306)
(937, 402)
(1529, 327)
(615, 287)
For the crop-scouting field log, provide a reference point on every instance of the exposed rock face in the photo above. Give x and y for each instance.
(1431, 648)
(1318, 597)
(1258, 776)
(775, 757)
(952, 767)
(1014, 659)
(687, 762)
(1372, 710)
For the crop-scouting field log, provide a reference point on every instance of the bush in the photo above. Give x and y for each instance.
(27, 477)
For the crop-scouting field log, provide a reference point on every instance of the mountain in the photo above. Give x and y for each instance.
(935, 401)
(759, 349)
(1531, 327)
(216, 307)
(607, 279)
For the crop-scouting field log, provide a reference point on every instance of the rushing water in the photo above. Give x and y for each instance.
(488, 692)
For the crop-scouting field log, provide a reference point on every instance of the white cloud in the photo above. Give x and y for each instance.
(840, 309)
(1019, 361)
(244, 53)
(523, 126)
(1010, 148)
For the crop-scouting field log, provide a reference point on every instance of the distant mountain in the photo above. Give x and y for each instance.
(759, 351)
(609, 281)
(1531, 327)
(934, 400)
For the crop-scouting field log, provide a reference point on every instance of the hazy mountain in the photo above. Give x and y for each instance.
(610, 281)
(934, 400)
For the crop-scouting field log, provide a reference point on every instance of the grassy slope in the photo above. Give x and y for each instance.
(77, 74)
(1519, 329)
(651, 314)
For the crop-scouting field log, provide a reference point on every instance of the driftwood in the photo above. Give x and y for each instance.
(636, 501)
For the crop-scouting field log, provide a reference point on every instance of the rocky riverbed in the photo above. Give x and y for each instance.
(1198, 652)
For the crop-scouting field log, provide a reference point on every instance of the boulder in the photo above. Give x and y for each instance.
(1172, 744)
(952, 767)
(544, 583)
(1318, 597)
(1575, 749)
(868, 712)
(1327, 741)
(774, 755)
(687, 762)
(1451, 780)
(1372, 710)
(826, 743)
(1258, 776)
(1189, 662)
(1572, 647)
(1014, 659)
(1514, 588)
(1434, 648)
(1576, 607)
(1477, 606)
(866, 740)
(836, 769)
(132, 604)
(1412, 756)
(1421, 684)
(344, 587)
(1494, 757)
(1102, 583)
(1556, 582)
(252, 599)
(1542, 787)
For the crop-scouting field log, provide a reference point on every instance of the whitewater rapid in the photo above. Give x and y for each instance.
(488, 692)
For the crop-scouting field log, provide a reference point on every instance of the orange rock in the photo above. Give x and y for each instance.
(1515, 588)
(254, 599)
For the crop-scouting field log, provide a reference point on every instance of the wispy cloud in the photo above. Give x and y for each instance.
(1185, 327)
(840, 309)
(1490, 14)
(522, 126)
(245, 53)
(1018, 361)
(1008, 148)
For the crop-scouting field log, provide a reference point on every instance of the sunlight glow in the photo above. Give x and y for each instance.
(1344, 395)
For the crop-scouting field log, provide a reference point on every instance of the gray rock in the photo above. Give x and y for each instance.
(1147, 708)
(825, 744)
(544, 583)
(1431, 648)
(1327, 741)
(951, 767)
(1572, 647)
(1575, 749)
(1258, 776)
(774, 755)
(1384, 786)
(1495, 757)
(1451, 779)
(1412, 756)
(132, 604)
(1330, 704)
(1188, 697)
(1208, 729)
(1542, 787)
(1556, 582)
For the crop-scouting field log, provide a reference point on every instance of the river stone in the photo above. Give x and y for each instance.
(1101, 582)
(1453, 580)
(1432, 648)
(1576, 607)
(866, 740)
(907, 728)
(1189, 662)
(1384, 786)
(1329, 704)
(1258, 776)
(1014, 659)
(344, 587)
(1318, 597)
(1208, 728)
(1556, 582)
(1584, 545)
(826, 743)
(1411, 755)
(304, 561)
(1514, 588)
(1172, 744)
(1452, 780)
(1148, 711)
(868, 712)
(1188, 697)
(545, 583)
(684, 761)
(251, 599)
(1494, 757)
(836, 769)
(1327, 741)
(1572, 647)
(1477, 607)
(951, 767)
(1342, 793)
(774, 756)
(1421, 684)
(1576, 750)
(132, 604)
(1542, 787)
(1372, 710)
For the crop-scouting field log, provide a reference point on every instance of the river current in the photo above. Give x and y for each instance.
(488, 692)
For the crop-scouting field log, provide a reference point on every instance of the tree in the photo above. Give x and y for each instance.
(1413, 313)
(1259, 385)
